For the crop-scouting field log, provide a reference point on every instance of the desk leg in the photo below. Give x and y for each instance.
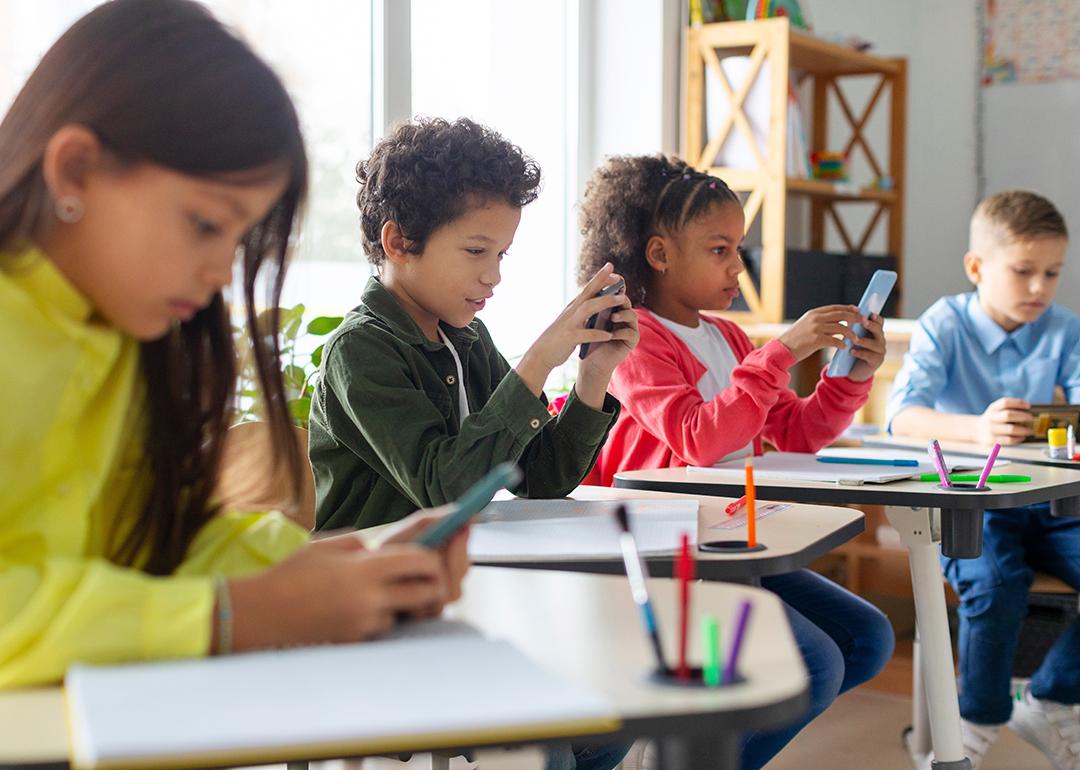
(916, 527)
(699, 752)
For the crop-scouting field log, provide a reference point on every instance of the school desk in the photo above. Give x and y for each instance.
(1032, 454)
(797, 536)
(587, 629)
(924, 515)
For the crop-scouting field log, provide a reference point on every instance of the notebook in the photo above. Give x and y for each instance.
(394, 694)
(565, 529)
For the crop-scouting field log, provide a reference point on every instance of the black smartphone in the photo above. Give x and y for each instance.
(602, 320)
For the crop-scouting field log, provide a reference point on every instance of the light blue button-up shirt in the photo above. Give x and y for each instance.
(960, 361)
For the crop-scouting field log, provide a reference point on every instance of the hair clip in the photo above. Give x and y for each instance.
(686, 175)
(712, 185)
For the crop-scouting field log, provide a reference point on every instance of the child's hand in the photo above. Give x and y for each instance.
(454, 552)
(334, 590)
(1006, 421)
(568, 331)
(818, 328)
(594, 371)
(869, 351)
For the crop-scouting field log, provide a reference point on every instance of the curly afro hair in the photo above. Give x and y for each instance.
(429, 172)
(633, 197)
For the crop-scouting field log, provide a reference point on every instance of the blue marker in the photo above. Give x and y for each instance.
(869, 461)
(637, 573)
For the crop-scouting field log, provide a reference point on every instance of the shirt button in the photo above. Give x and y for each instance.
(450, 379)
(534, 423)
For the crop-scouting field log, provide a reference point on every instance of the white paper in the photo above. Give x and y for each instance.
(799, 466)
(386, 689)
(552, 529)
(954, 461)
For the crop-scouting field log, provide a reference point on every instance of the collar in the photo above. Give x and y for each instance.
(991, 336)
(42, 279)
(378, 301)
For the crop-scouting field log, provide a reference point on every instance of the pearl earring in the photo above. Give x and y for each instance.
(69, 209)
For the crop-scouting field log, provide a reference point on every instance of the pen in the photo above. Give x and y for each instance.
(934, 448)
(868, 461)
(731, 508)
(1004, 478)
(685, 572)
(1070, 440)
(710, 633)
(751, 511)
(736, 642)
(989, 466)
(636, 573)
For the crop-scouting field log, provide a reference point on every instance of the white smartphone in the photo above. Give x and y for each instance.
(873, 300)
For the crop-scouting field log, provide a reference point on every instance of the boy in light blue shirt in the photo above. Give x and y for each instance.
(976, 363)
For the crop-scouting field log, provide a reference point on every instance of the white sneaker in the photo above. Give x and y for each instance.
(1053, 728)
(977, 740)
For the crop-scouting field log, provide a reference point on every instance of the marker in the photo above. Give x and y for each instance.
(736, 642)
(751, 512)
(934, 448)
(989, 466)
(1003, 478)
(732, 508)
(869, 461)
(710, 642)
(684, 569)
(636, 573)
(1070, 440)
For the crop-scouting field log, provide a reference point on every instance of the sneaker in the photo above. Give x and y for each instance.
(977, 740)
(1053, 728)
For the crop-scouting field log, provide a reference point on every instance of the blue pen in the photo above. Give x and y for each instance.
(869, 461)
(637, 573)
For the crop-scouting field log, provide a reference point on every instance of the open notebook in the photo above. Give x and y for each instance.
(799, 466)
(567, 529)
(435, 684)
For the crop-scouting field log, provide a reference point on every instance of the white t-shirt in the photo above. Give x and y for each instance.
(709, 346)
(463, 400)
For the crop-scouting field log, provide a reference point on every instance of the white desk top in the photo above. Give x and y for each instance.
(1033, 453)
(1047, 483)
(795, 537)
(585, 627)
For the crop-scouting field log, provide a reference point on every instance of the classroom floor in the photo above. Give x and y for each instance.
(860, 730)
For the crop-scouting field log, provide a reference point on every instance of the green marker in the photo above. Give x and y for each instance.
(710, 634)
(1002, 479)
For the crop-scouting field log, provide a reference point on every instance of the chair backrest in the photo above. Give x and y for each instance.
(250, 480)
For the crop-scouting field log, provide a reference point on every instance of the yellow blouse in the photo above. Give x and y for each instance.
(70, 394)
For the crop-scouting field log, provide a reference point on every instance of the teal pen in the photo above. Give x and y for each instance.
(869, 461)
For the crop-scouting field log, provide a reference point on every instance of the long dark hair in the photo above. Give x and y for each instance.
(162, 81)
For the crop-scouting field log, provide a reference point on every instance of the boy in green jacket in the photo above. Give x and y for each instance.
(414, 403)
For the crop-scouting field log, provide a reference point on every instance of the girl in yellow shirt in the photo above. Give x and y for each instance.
(148, 153)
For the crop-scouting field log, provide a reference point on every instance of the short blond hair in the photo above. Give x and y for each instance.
(1014, 215)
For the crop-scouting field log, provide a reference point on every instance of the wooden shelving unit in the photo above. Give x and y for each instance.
(793, 55)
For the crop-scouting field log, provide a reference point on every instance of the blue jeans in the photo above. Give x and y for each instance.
(843, 639)
(578, 757)
(993, 591)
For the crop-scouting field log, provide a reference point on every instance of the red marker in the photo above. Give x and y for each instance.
(684, 571)
(733, 508)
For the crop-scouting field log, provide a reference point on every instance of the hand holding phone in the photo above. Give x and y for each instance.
(602, 320)
(475, 499)
(873, 300)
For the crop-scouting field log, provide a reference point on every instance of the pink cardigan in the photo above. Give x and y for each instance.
(665, 423)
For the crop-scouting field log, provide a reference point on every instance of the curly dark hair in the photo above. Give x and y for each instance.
(633, 197)
(429, 172)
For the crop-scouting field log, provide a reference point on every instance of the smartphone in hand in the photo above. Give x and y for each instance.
(602, 320)
(475, 499)
(873, 300)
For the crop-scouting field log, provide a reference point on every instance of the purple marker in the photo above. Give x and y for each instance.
(934, 448)
(736, 642)
(989, 466)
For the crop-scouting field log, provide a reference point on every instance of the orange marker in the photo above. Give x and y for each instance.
(751, 524)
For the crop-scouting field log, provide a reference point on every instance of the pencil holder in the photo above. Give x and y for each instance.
(669, 676)
(964, 487)
(729, 546)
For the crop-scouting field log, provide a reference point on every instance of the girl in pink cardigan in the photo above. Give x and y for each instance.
(695, 391)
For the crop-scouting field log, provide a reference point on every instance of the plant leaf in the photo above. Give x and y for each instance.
(324, 324)
(300, 409)
(316, 356)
